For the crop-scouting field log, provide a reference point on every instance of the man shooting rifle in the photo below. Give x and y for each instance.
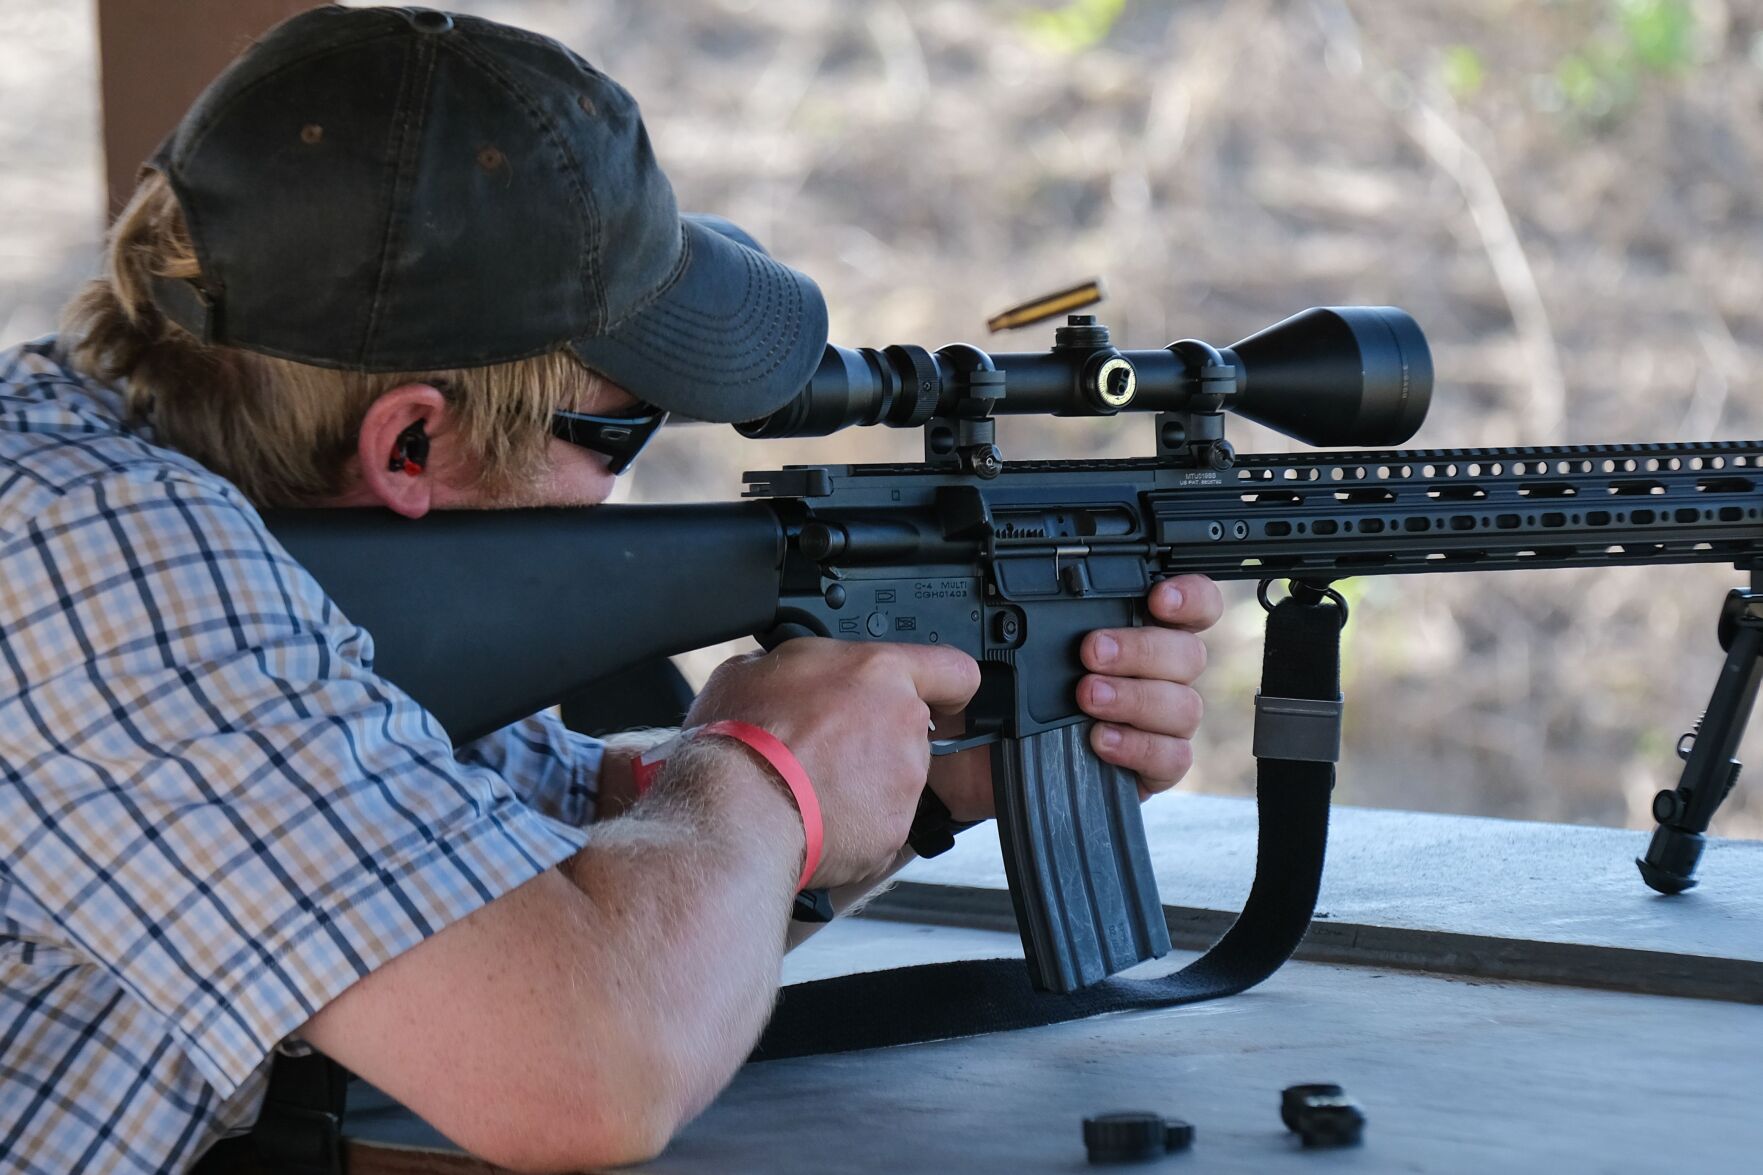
(397, 260)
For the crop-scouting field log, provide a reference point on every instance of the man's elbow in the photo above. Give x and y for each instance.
(622, 1107)
(617, 1147)
(559, 1139)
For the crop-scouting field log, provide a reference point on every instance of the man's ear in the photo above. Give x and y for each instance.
(393, 472)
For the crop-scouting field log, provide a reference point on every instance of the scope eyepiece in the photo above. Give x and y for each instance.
(899, 386)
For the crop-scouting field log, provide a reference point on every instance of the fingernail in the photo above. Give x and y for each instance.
(1172, 597)
(1103, 693)
(1107, 648)
(1110, 738)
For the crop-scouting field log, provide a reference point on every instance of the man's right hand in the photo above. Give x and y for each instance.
(580, 1018)
(857, 716)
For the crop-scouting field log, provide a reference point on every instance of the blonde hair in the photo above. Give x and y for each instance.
(283, 432)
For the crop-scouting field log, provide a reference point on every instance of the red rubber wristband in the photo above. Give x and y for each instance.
(785, 763)
(772, 749)
(645, 767)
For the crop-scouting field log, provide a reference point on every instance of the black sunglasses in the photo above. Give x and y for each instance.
(618, 438)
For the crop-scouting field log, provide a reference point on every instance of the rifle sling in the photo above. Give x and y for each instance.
(297, 1130)
(940, 1001)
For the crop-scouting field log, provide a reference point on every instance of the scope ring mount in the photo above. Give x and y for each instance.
(1316, 593)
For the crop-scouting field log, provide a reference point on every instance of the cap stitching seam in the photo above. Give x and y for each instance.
(784, 310)
(213, 283)
(691, 325)
(790, 315)
(688, 315)
(492, 30)
(589, 272)
(667, 283)
(411, 116)
(752, 372)
(200, 132)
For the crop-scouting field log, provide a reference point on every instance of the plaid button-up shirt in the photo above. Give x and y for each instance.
(214, 816)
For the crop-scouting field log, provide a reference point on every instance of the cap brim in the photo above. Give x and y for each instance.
(734, 338)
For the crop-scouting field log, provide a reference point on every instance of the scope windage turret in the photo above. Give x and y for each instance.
(1336, 375)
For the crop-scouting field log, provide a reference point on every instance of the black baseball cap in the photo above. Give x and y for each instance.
(399, 189)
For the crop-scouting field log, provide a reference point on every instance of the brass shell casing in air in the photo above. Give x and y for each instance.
(1048, 306)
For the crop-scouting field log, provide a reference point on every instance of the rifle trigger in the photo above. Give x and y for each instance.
(949, 746)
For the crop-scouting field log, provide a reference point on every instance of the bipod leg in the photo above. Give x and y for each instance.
(1709, 751)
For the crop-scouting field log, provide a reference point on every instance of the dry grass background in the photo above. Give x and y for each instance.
(1564, 193)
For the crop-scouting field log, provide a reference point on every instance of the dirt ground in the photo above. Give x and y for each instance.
(1564, 194)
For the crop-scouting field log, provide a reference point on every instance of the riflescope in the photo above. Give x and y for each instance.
(1329, 376)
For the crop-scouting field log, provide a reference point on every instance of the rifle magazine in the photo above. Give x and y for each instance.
(1075, 853)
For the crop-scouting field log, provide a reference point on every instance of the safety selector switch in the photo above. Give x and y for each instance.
(1134, 1136)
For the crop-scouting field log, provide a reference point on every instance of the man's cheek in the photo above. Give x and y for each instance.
(576, 477)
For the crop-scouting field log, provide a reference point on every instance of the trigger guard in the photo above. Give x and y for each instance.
(784, 632)
(791, 623)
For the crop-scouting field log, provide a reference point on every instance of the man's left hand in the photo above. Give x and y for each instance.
(1139, 690)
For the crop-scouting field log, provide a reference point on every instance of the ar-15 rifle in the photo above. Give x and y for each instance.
(487, 617)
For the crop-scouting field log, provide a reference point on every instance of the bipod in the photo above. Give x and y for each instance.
(1709, 749)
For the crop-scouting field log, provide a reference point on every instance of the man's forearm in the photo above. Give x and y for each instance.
(617, 792)
(580, 1019)
(690, 893)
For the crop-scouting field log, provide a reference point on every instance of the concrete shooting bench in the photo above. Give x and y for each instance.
(1497, 995)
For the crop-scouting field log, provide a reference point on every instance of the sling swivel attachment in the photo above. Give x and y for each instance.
(1305, 592)
(1299, 730)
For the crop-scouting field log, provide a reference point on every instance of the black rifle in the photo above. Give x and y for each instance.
(485, 618)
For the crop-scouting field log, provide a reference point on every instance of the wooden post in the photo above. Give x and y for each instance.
(154, 58)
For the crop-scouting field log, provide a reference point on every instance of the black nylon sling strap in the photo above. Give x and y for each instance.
(939, 1001)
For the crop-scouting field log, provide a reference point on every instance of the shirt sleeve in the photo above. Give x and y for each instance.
(212, 791)
(552, 769)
